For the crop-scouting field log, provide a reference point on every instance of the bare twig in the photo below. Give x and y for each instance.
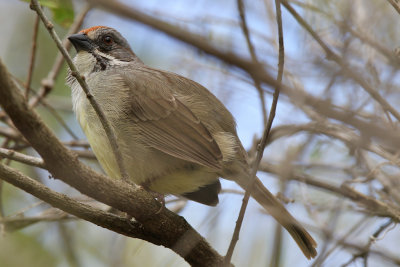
(346, 68)
(250, 46)
(60, 119)
(377, 207)
(263, 142)
(395, 4)
(32, 161)
(102, 117)
(33, 55)
(364, 253)
(371, 205)
(52, 111)
(48, 82)
(68, 246)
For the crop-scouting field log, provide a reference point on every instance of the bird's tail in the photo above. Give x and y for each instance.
(265, 198)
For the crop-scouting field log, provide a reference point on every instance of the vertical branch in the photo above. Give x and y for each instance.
(264, 140)
(5, 144)
(33, 56)
(67, 245)
(253, 55)
(99, 112)
(48, 82)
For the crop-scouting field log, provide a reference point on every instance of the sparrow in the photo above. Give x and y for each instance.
(174, 135)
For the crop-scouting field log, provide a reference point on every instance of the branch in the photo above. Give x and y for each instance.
(395, 4)
(48, 82)
(265, 137)
(169, 229)
(33, 55)
(346, 68)
(253, 55)
(99, 217)
(32, 161)
(371, 205)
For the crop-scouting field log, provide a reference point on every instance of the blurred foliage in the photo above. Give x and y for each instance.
(63, 10)
(20, 249)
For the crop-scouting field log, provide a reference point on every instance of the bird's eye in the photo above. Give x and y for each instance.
(108, 40)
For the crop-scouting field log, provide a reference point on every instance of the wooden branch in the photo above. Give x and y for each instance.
(48, 82)
(395, 4)
(347, 69)
(99, 217)
(252, 51)
(33, 56)
(267, 128)
(32, 161)
(371, 205)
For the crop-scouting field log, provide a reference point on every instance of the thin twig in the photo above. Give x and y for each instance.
(48, 82)
(346, 68)
(337, 242)
(263, 142)
(33, 55)
(371, 205)
(11, 154)
(59, 118)
(52, 110)
(395, 4)
(18, 223)
(364, 253)
(69, 249)
(74, 72)
(5, 145)
(250, 46)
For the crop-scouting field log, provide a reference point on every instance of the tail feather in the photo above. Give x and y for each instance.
(265, 198)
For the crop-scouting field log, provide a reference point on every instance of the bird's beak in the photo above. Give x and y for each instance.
(81, 42)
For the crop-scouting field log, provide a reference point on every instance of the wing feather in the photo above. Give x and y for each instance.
(168, 125)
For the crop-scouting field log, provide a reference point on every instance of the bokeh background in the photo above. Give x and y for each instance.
(364, 33)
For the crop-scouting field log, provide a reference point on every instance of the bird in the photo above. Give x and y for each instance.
(174, 135)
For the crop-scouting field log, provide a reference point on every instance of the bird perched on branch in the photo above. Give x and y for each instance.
(175, 137)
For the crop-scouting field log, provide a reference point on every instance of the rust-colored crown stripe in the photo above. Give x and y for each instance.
(86, 31)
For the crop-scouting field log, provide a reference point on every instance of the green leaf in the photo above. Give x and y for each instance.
(63, 10)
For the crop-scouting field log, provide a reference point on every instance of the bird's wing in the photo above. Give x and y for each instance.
(166, 123)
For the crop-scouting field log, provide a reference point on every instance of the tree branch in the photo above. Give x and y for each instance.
(33, 55)
(48, 82)
(32, 161)
(264, 139)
